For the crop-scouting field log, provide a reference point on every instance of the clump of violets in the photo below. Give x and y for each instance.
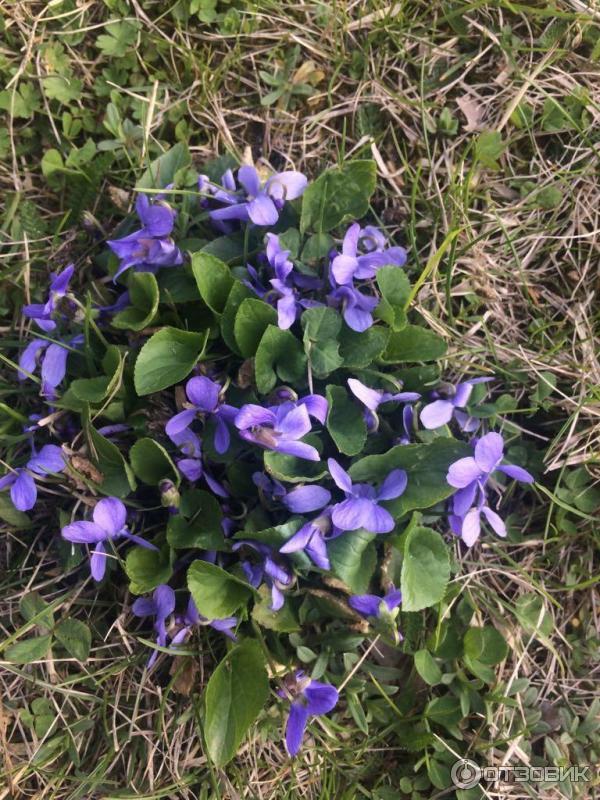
(471, 477)
(276, 537)
(151, 246)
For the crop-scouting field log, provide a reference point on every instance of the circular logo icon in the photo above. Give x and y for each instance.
(465, 774)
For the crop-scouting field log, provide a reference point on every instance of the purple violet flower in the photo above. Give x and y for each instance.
(470, 476)
(371, 605)
(53, 363)
(276, 576)
(278, 428)
(23, 489)
(42, 313)
(357, 308)
(449, 403)
(205, 398)
(160, 606)
(260, 203)
(109, 517)
(151, 246)
(350, 264)
(308, 698)
(373, 398)
(192, 466)
(311, 538)
(361, 507)
(300, 500)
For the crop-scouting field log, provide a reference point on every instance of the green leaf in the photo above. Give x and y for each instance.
(52, 162)
(485, 644)
(235, 694)
(395, 291)
(28, 650)
(338, 195)
(320, 324)
(353, 559)
(251, 321)
(62, 88)
(359, 350)
(198, 524)
(117, 477)
(427, 667)
(167, 358)
(144, 297)
(10, 515)
(151, 462)
(91, 390)
(288, 468)
(444, 711)
(163, 169)
(426, 465)
(488, 148)
(425, 569)
(345, 421)
(533, 616)
(217, 593)
(282, 621)
(279, 354)
(33, 605)
(75, 637)
(413, 343)
(146, 569)
(239, 292)
(120, 38)
(321, 330)
(317, 247)
(214, 280)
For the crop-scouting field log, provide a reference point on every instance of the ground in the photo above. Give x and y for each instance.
(483, 119)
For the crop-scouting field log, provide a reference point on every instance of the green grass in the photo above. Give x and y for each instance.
(483, 120)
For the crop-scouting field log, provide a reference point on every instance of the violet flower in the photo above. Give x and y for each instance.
(350, 264)
(151, 246)
(373, 398)
(371, 605)
(357, 308)
(192, 618)
(161, 606)
(311, 538)
(23, 489)
(42, 313)
(277, 429)
(276, 576)
(449, 403)
(309, 698)
(192, 466)
(53, 363)
(300, 500)
(470, 476)
(109, 517)
(260, 203)
(361, 507)
(205, 399)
